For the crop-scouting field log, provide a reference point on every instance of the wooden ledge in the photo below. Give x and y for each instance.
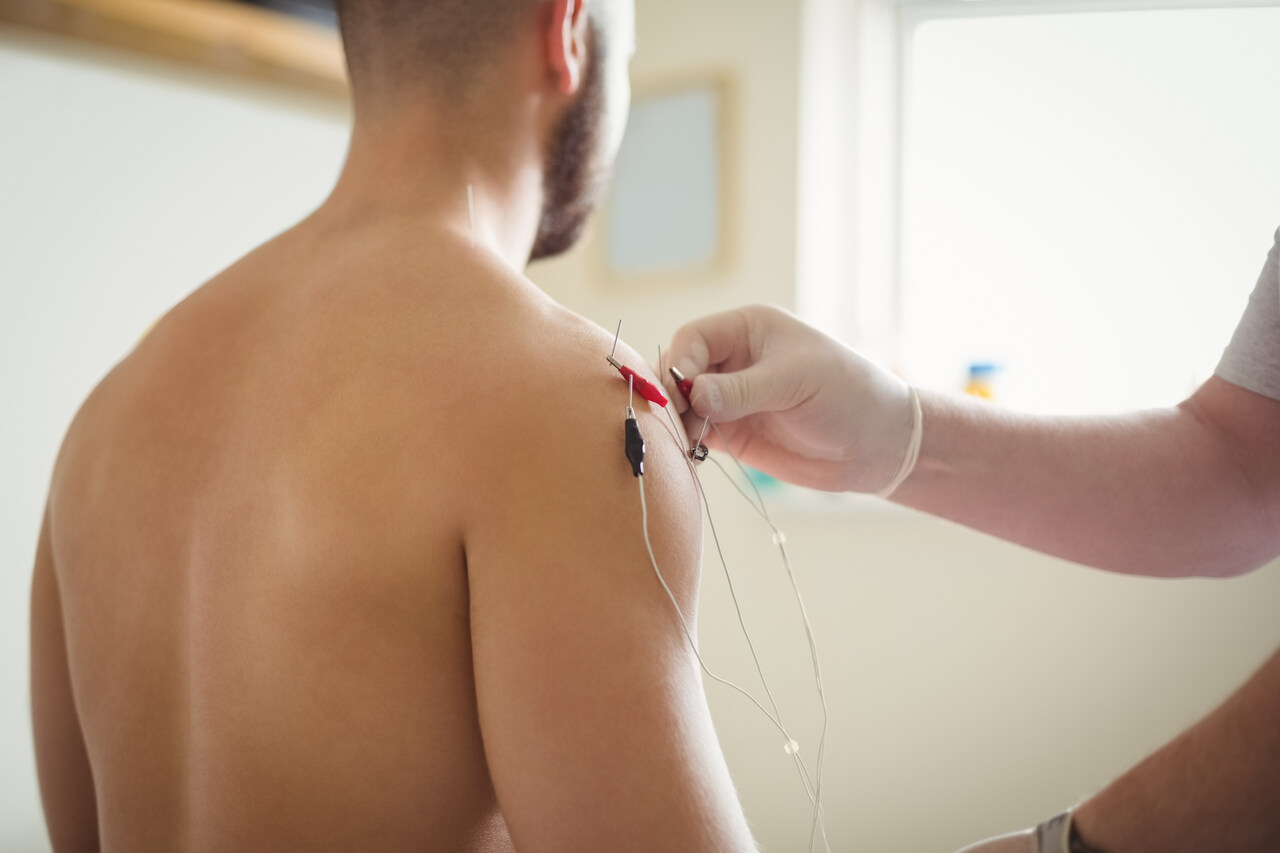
(243, 40)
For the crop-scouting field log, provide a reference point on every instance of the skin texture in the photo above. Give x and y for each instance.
(1189, 490)
(1214, 787)
(346, 554)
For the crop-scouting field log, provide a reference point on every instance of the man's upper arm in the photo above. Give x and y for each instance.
(594, 721)
(66, 781)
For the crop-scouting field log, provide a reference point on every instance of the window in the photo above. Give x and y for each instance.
(1084, 198)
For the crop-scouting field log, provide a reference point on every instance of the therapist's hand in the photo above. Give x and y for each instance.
(792, 401)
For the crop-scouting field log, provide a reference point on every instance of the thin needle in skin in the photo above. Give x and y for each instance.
(703, 434)
(471, 214)
(616, 335)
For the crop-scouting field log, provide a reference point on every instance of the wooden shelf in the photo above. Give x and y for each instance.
(239, 39)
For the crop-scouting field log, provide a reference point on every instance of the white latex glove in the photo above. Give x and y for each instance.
(792, 401)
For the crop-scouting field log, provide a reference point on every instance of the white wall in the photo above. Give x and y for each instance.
(974, 687)
(124, 184)
(753, 47)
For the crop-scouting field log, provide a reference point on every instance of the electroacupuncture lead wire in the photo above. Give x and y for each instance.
(806, 780)
(780, 540)
(693, 645)
(813, 790)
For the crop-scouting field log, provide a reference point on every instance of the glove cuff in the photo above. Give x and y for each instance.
(913, 446)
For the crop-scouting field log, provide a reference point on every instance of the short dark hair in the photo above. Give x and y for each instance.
(395, 42)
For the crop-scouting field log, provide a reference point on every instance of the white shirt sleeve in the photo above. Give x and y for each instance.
(1252, 359)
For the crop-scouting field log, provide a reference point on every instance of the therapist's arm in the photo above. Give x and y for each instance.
(1189, 490)
(1193, 489)
(1214, 787)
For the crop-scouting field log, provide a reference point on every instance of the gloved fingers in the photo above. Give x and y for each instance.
(709, 341)
(754, 448)
(690, 353)
(727, 397)
(730, 342)
(722, 342)
(786, 464)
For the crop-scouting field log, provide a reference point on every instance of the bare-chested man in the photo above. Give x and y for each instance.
(346, 556)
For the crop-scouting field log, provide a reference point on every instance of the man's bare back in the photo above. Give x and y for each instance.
(346, 555)
(259, 552)
(261, 522)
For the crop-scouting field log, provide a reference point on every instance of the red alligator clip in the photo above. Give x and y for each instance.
(685, 385)
(643, 386)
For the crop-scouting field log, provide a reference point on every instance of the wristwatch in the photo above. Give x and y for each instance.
(1058, 834)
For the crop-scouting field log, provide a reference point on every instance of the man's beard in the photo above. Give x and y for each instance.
(574, 179)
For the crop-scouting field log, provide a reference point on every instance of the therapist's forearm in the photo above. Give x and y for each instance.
(1216, 787)
(1168, 492)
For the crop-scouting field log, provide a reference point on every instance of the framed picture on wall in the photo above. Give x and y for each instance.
(669, 212)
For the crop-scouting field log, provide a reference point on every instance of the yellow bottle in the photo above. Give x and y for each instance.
(982, 380)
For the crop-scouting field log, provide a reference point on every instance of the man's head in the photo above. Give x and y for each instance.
(570, 55)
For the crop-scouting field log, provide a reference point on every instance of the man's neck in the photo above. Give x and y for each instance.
(420, 169)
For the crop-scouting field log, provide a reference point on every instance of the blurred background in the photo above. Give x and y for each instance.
(1058, 205)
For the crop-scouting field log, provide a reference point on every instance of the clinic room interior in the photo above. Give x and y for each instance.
(1057, 207)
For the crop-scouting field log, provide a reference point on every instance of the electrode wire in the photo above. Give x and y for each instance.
(741, 490)
(681, 439)
(803, 769)
(644, 521)
(715, 538)
(812, 791)
(805, 779)
(724, 565)
(780, 539)
(759, 505)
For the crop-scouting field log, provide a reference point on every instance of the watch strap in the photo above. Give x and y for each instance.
(1053, 836)
(1058, 834)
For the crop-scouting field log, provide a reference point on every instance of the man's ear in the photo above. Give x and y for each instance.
(567, 43)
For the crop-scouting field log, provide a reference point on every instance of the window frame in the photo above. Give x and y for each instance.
(857, 241)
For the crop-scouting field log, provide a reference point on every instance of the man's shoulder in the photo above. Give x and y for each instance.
(533, 353)
(554, 412)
